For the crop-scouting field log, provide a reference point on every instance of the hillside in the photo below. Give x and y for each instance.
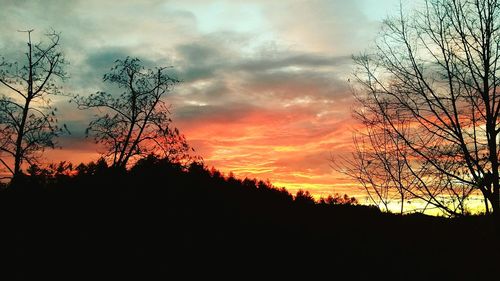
(158, 219)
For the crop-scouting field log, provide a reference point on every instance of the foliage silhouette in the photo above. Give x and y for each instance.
(161, 218)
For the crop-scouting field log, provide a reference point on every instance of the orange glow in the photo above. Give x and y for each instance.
(291, 147)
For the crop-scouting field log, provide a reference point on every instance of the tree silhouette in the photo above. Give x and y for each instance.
(27, 121)
(304, 197)
(136, 122)
(378, 164)
(429, 93)
(337, 199)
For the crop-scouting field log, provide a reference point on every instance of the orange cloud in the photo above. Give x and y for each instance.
(290, 146)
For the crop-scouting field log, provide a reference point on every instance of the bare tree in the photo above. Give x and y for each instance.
(136, 122)
(436, 71)
(378, 162)
(27, 121)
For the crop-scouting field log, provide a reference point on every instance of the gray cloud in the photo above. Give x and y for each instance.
(282, 64)
(230, 112)
(216, 74)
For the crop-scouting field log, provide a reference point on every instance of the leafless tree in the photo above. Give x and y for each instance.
(137, 122)
(435, 71)
(27, 121)
(379, 161)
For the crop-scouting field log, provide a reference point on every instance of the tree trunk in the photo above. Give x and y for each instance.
(20, 134)
(402, 203)
(495, 203)
(486, 202)
(19, 141)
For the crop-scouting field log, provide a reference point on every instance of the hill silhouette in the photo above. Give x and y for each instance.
(159, 219)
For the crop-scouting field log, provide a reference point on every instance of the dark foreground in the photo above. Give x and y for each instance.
(157, 221)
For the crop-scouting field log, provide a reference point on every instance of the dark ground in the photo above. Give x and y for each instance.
(158, 221)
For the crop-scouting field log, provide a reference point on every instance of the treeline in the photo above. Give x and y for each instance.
(150, 219)
(152, 170)
(158, 219)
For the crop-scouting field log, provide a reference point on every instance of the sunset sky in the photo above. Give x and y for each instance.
(264, 91)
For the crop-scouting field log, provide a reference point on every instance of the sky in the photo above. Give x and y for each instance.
(264, 92)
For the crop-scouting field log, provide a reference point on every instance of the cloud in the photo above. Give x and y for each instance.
(264, 90)
(323, 26)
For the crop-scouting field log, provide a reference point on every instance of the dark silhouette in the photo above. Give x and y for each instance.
(27, 122)
(428, 101)
(136, 122)
(338, 200)
(304, 197)
(160, 219)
